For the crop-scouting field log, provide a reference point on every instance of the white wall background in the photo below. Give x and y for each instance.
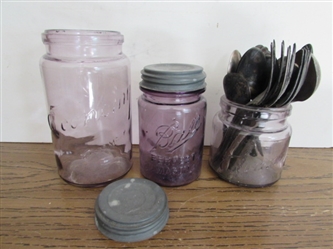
(202, 33)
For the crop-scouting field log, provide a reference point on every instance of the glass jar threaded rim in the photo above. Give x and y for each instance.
(82, 36)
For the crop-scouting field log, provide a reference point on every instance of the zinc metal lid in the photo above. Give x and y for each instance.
(173, 77)
(131, 210)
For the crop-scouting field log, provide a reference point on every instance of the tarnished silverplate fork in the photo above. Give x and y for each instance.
(304, 72)
(289, 73)
(286, 76)
(303, 57)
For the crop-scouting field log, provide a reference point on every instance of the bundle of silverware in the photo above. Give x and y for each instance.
(258, 78)
(261, 80)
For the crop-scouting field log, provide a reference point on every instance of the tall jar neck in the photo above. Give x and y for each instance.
(82, 43)
(254, 118)
(171, 98)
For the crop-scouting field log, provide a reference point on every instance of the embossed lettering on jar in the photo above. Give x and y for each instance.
(87, 78)
(172, 115)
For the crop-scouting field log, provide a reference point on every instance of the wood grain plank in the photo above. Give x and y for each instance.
(39, 210)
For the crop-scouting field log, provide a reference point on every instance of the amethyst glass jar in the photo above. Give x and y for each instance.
(87, 82)
(172, 115)
(249, 144)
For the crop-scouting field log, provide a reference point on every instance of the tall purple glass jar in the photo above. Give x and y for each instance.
(172, 115)
(87, 82)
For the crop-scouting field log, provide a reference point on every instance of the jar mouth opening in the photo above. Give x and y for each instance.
(80, 32)
(283, 109)
(81, 36)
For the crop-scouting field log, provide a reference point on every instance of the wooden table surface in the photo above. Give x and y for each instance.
(39, 210)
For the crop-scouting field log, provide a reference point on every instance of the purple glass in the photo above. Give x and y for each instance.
(87, 82)
(249, 144)
(171, 125)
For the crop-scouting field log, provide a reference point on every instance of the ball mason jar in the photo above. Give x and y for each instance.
(87, 82)
(249, 144)
(172, 115)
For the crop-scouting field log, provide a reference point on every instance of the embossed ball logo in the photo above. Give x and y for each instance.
(171, 137)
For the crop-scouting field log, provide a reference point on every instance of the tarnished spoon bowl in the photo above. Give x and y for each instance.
(311, 82)
(235, 57)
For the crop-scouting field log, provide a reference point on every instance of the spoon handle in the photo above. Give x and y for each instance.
(234, 142)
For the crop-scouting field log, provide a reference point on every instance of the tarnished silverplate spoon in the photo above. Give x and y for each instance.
(307, 59)
(235, 57)
(257, 101)
(311, 82)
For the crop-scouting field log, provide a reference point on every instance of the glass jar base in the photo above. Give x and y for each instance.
(89, 165)
(240, 184)
(169, 183)
(244, 181)
(94, 185)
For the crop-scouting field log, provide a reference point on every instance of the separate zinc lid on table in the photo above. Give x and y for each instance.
(173, 77)
(131, 210)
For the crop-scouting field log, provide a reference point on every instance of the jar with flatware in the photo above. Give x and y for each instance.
(249, 144)
(251, 135)
(87, 82)
(172, 115)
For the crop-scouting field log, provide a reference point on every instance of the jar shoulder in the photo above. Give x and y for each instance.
(121, 59)
(172, 101)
